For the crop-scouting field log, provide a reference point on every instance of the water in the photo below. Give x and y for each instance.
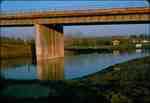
(70, 67)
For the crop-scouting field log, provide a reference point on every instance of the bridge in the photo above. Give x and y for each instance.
(49, 24)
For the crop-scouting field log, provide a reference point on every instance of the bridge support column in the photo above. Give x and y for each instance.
(49, 41)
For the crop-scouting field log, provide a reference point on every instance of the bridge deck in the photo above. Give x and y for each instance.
(102, 16)
(43, 14)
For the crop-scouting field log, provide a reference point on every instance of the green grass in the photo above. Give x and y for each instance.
(129, 82)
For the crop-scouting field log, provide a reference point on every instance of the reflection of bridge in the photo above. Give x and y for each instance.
(49, 25)
(7, 63)
(50, 69)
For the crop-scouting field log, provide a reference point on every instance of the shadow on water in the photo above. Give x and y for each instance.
(88, 51)
(33, 49)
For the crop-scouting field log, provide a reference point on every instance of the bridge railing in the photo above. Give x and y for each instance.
(61, 12)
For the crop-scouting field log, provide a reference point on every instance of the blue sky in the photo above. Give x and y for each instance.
(27, 5)
(98, 30)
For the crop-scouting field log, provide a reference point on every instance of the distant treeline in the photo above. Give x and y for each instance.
(94, 41)
(82, 41)
(112, 42)
(14, 40)
(142, 36)
(15, 47)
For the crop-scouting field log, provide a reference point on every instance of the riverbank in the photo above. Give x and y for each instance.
(106, 48)
(15, 50)
(127, 82)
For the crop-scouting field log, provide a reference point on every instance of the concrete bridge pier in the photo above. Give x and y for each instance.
(49, 41)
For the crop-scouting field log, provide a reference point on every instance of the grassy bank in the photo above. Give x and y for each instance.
(123, 48)
(128, 82)
(106, 47)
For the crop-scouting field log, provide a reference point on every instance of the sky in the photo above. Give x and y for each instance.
(11, 6)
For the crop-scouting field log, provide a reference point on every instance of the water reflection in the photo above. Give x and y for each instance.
(25, 69)
(80, 65)
(138, 50)
(6, 63)
(50, 69)
(74, 65)
(116, 52)
(18, 68)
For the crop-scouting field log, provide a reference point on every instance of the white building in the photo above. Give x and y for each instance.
(138, 45)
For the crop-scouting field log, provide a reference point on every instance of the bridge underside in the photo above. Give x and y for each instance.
(93, 23)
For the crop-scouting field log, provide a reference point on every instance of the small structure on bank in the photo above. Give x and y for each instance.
(139, 45)
(115, 42)
(145, 41)
(138, 42)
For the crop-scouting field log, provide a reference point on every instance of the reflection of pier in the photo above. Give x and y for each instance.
(138, 50)
(116, 52)
(52, 69)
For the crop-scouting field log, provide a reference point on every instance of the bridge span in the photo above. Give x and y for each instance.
(49, 24)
